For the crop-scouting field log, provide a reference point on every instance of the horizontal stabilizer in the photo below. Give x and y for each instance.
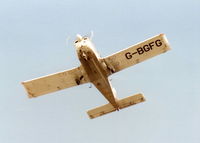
(123, 103)
(131, 100)
(102, 110)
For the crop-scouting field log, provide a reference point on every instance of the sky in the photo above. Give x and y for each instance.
(36, 39)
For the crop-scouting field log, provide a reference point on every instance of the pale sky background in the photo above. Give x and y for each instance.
(33, 43)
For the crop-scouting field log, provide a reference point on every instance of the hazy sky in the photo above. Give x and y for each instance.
(36, 39)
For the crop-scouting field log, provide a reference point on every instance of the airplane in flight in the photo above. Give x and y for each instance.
(96, 70)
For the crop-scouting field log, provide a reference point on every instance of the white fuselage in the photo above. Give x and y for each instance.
(95, 68)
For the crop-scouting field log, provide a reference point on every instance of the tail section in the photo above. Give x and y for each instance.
(131, 100)
(123, 103)
(102, 110)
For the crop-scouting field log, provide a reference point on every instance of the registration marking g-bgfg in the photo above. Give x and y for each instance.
(145, 48)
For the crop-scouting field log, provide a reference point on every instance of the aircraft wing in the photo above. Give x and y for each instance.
(55, 82)
(137, 53)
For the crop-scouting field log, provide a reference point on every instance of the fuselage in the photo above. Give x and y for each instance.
(95, 68)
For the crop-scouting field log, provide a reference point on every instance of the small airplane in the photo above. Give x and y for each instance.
(96, 70)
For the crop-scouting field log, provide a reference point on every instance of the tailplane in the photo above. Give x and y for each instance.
(123, 103)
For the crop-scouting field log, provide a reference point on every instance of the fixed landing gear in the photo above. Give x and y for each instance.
(78, 80)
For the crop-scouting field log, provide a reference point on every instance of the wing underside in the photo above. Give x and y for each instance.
(55, 82)
(137, 53)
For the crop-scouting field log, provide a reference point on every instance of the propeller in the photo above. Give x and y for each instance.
(79, 37)
(90, 36)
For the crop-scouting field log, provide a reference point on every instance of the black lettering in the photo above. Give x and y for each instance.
(134, 53)
(146, 48)
(151, 45)
(128, 55)
(158, 43)
(140, 51)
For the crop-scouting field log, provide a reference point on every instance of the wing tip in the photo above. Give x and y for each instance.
(166, 42)
(22, 82)
(162, 34)
(30, 95)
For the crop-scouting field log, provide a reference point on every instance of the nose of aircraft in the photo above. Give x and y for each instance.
(79, 37)
(82, 41)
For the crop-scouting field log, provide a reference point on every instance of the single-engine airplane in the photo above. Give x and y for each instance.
(96, 70)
